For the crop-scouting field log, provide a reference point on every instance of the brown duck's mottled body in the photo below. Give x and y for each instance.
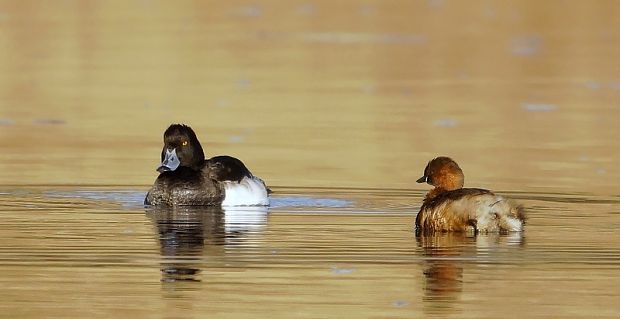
(451, 208)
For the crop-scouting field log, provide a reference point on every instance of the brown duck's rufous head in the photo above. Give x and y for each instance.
(443, 172)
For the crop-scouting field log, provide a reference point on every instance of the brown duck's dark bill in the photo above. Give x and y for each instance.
(421, 179)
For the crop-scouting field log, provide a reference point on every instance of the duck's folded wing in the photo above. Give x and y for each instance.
(226, 168)
(241, 188)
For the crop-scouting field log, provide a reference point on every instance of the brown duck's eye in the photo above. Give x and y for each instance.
(184, 143)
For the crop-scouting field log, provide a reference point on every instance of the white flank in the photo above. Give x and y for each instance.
(250, 191)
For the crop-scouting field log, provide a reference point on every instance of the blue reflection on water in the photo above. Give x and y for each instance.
(303, 201)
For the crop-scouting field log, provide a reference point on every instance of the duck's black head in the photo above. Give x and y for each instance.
(181, 148)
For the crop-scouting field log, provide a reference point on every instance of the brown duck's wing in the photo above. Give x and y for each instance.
(454, 195)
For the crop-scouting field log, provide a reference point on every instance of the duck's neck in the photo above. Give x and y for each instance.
(197, 166)
(434, 193)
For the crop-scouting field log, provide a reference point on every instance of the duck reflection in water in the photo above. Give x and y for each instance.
(445, 256)
(188, 236)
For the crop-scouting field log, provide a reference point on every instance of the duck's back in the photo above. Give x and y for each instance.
(469, 209)
(240, 187)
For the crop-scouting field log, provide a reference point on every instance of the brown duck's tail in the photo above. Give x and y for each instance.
(514, 220)
(509, 217)
(519, 213)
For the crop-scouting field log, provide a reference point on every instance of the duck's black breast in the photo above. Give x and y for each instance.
(185, 186)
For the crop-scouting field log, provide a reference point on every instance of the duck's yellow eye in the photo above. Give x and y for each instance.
(184, 143)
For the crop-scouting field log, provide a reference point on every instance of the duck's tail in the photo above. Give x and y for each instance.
(519, 212)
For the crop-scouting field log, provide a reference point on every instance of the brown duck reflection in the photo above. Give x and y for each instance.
(190, 235)
(445, 256)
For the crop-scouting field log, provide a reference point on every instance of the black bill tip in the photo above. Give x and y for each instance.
(163, 168)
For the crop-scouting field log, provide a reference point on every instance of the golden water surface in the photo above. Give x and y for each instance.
(337, 105)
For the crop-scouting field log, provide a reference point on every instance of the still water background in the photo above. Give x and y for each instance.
(338, 106)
